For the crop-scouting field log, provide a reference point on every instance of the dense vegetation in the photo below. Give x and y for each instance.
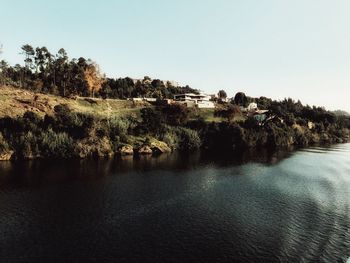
(159, 128)
(163, 129)
(70, 134)
(290, 123)
(57, 74)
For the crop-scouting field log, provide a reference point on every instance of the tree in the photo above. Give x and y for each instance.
(60, 75)
(263, 102)
(93, 77)
(61, 71)
(176, 114)
(28, 52)
(241, 99)
(152, 120)
(146, 80)
(228, 113)
(156, 83)
(222, 95)
(42, 59)
(3, 70)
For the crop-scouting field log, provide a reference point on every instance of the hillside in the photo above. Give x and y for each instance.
(15, 102)
(83, 127)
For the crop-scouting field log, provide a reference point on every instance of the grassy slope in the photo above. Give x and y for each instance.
(14, 102)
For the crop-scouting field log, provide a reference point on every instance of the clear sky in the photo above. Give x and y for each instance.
(273, 48)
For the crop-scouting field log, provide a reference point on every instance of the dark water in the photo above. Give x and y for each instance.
(251, 207)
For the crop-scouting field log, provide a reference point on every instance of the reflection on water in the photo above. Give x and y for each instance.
(41, 172)
(253, 206)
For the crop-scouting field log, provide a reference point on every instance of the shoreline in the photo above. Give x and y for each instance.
(136, 155)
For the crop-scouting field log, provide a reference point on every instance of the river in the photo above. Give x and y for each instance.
(246, 207)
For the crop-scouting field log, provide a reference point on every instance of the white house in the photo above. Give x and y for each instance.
(195, 100)
(150, 99)
(252, 107)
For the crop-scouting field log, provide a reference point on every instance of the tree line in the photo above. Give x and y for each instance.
(57, 74)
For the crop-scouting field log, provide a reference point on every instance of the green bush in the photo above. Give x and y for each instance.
(278, 135)
(175, 114)
(188, 139)
(179, 138)
(228, 113)
(56, 144)
(119, 126)
(27, 146)
(4, 146)
(152, 121)
(171, 139)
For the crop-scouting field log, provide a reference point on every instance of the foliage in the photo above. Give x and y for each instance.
(222, 94)
(175, 114)
(4, 146)
(241, 99)
(229, 112)
(66, 133)
(27, 145)
(188, 139)
(152, 121)
(93, 78)
(57, 74)
(56, 144)
(171, 138)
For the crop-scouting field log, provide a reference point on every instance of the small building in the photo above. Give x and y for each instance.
(259, 115)
(136, 99)
(195, 100)
(252, 107)
(150, 99)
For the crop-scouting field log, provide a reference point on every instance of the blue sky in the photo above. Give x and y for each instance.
(273, 48)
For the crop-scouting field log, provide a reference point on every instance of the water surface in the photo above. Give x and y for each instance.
(249, 207)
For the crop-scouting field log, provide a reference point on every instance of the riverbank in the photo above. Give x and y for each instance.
(51, 127)
(67, 134)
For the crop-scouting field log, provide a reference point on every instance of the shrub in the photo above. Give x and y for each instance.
(278, 136)
(27, 146)
(188, 139)
(32, 117)
(76, 124)
(251, 123)
(228, 113)
(56, 144)
(152, 121)
(224, 136)
(118, 127)
(176, 114)
(171, 139)
(4, 146)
